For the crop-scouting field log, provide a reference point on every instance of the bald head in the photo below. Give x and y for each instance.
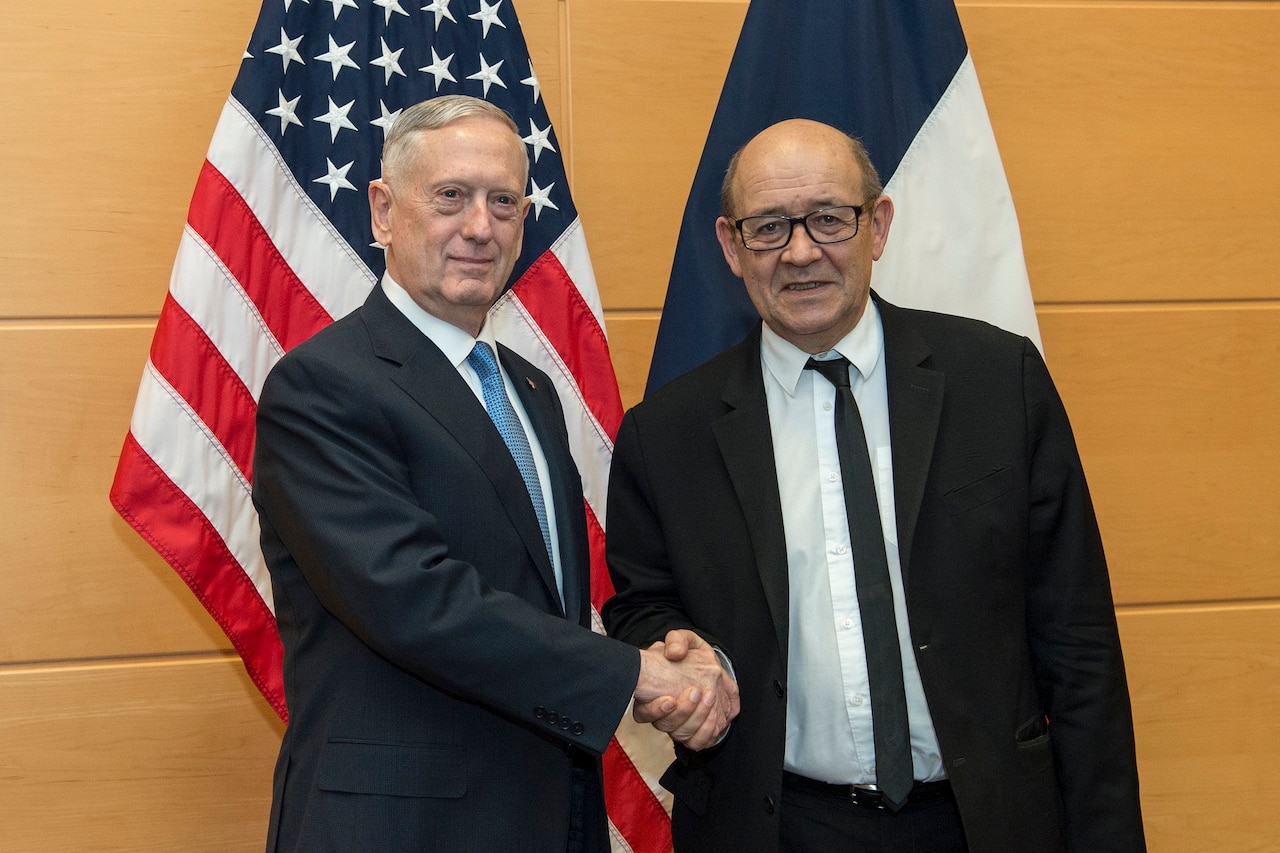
(789, 138)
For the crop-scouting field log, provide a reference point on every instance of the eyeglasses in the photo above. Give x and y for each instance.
(828, 225)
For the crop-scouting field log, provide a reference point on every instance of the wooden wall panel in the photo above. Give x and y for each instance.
(109, 109)
(646, 78)
(1139, 141)
(159, 756)
(631, 338)
(1175, 412)
(77, 582)
(1205, 684)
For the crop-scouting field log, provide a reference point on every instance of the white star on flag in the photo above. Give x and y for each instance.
(488, 15)
(286, 112)
(532, 82)
(339, 5)
(391, 7)
(539, 139)
(389, 62)
(337, 57)
(336, 179)
(337, 119)
(441, 10)
(388, 118)
(488, 74)
(439, 68)
(541, 197)
(288, 49)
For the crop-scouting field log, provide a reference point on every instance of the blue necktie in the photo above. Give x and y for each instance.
(889, 723)
(508, 423)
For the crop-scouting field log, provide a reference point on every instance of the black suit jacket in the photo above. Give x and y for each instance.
(438, 698)
(1008, 598)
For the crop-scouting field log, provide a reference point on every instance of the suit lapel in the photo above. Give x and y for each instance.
(915, 408)
(746, 445)
(435, 384)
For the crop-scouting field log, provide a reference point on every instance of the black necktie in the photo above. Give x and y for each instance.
(894, 776)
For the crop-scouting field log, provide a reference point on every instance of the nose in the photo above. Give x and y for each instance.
(800, 250)
(477, 223)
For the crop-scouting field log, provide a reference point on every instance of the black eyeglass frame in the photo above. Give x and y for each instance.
(793, 221)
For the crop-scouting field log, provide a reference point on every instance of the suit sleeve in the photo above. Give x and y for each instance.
(337, 502)
(1074, 638)
(646, 602)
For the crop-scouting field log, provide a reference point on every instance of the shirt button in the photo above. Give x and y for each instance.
(842, 550)
(832, 477)
(858, 700)
(826, 407)
(848, 623)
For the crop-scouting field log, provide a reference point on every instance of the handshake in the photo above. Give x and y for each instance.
(684, 691)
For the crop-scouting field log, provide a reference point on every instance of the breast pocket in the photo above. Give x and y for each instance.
(979, 493)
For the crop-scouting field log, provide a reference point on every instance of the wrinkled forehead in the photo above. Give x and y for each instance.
(781, 170)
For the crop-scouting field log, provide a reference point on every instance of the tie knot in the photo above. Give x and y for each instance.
(482, 361)
(836, 370)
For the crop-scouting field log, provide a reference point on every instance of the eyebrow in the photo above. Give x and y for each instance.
(778, 210)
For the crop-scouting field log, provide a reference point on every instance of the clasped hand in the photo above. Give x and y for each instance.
(684, 691)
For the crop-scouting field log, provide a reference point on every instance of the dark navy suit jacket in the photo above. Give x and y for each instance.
(438, 697)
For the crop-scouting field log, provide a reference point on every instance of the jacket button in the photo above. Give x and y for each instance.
(768, 805)
(553, 718)
(578, 729)
(540, 712)
(777, 688)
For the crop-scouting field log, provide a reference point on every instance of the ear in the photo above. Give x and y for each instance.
(727, 234)
(380, 212)
(881, 219)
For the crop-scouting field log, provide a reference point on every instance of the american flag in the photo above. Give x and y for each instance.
(278, 244)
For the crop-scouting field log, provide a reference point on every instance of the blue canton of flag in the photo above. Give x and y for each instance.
(326, 87)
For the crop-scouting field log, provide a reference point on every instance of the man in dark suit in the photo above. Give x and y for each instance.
(950, 680)
(423, 523)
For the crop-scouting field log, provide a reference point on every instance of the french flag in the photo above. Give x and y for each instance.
(897, 74)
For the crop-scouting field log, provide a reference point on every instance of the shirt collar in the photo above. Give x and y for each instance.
(863, 346)
(452, 341)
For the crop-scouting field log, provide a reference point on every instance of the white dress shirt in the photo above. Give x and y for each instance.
(456, 346)
(829, 735)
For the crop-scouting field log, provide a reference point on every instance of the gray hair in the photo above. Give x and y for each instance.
(871, 185)
(404, 137)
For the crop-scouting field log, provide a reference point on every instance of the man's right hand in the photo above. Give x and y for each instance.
(685, 691)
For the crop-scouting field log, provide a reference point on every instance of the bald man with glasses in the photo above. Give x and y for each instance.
(879, 517)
